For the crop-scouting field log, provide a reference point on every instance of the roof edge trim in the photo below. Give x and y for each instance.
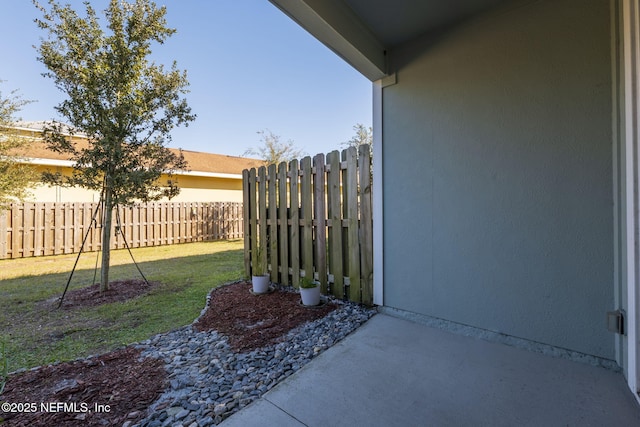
(334, 24)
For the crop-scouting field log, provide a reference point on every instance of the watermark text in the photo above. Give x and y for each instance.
(53, 407)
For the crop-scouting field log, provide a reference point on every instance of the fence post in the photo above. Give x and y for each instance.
(248, 203)
(366, 225)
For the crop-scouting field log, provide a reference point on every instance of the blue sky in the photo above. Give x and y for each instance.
(250, 68)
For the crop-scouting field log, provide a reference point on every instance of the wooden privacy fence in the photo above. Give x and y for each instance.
(313, 218)
(37, 229)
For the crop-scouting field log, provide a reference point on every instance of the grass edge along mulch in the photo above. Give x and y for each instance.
(124, 384)
(36, 333)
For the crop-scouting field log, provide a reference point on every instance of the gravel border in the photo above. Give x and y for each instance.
(208, 381)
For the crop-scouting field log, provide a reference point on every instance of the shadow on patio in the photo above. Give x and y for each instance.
(393, 372)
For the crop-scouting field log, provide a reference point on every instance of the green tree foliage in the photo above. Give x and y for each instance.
(363, 135)
(274, 151)
(15, 176)
(123, 103)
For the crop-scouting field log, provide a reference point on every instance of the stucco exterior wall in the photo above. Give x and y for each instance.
(192, 189)
(498, 174)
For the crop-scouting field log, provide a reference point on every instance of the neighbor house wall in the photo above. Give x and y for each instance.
(205, 189)
(498, 174)
(192, 189)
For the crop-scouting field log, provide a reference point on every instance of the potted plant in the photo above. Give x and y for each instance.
(309, 292)
(259, 278)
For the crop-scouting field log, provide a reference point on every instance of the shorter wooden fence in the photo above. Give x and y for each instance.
(39, 229)
(313, 220)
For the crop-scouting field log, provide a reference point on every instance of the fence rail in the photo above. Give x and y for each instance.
(39, 229)
(313, 218)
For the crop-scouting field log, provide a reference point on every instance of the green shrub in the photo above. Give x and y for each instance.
(307, 283)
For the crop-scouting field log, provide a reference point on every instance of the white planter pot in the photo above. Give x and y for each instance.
(260, 284)
(310, 296)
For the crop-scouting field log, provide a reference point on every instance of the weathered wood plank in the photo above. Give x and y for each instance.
(154, 228)
(15, 231)
(135, 227)
(5, 237)
(217, 229)
(350, 184)
(78, 220)
(162, 224)
(85, 221)
(148, 225)
(306, 194)
(252, 217)
(58, 227)
(294, 233)
(319, 200)
(67, 216)
(283, 214)
(247, 204)
(202, 222)
(262, 216)
(237, 214)
(206, 219)
(366, 225)
(27, 230)
(175, 222)
(272, 241)
(334, 210)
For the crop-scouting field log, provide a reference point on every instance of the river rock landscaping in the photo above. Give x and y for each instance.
(240, 347)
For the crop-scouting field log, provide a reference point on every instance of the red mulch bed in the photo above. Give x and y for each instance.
(126, 383)
(121, 290)
(117, 379)
(253, 321)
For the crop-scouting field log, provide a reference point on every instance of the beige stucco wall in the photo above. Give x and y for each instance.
(192, 189)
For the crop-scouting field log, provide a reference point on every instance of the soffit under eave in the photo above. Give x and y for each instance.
(335, 25)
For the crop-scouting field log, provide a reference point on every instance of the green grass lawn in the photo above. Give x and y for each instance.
(37, 333)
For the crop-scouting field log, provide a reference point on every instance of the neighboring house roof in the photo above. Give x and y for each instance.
(209, 162)
(199, 163)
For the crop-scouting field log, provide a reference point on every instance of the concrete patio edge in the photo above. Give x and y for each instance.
(392, 371)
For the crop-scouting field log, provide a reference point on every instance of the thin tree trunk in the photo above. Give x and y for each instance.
(106, 239)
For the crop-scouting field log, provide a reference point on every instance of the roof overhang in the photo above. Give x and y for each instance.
(70, 164)
(336, 25)
(48, 162)
(364, 32)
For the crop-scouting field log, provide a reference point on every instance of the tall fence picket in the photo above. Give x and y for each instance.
(313, 219)
(40, 229)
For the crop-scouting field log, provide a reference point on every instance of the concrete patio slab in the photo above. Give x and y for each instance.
(393, 372)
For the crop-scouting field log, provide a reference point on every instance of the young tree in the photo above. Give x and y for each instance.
(363, 135)
(123, 103)
(273, 151)
(15, 176)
